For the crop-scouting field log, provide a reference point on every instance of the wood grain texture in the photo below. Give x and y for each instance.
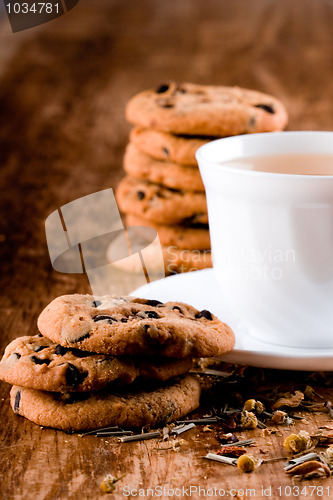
(63, 89)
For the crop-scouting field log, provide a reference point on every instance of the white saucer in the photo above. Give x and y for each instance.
(200, 289)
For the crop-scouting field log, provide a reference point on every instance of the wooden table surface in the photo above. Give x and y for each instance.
(63, 89)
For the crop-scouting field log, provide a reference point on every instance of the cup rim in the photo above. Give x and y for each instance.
(218, 166)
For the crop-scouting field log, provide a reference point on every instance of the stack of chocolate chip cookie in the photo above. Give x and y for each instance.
(163, 187)
(105, 361)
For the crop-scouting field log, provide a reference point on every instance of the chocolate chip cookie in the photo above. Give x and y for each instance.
(87, 411)
(187, 108)
(167, 173)
(159, 204)
(38, 363)
(133, 326)
(191, 237)
(177, 260)
(167, 147)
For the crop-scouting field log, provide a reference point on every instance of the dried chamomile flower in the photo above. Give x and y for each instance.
(108, 485)
(296, 443)
(246, 463)
(249, 405)
(254, 406)
(305, 436)
(329, 455)
(259, 407)
(248, 420)
(177, 444)
(293, 444)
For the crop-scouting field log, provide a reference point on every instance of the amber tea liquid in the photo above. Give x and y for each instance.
(294, 164)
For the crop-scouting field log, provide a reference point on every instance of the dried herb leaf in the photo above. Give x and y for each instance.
(226, 438)
(231, 451)
(309, 468)
(291, 400)
(323, 439)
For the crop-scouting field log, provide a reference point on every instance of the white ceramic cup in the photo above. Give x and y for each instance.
(272, 237)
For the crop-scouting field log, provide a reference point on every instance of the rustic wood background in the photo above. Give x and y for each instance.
(63, 89)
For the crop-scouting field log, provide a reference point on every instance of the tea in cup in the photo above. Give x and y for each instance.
(270, 208)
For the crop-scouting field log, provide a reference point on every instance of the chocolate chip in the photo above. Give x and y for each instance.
(40, 335)
(39, 361)
(40, 348)
(189, 221)
(177, 308)
(166, 105)
(153, 303)
(252, 123)
(200, 226)
(163, 87)
(166, 152)
(73, 376)
(152, 314)
(204, 314)
(17, 355)
(80, 354)
(59, 349)
(180, 90)
(102, 317)
(266, 107)
(140, 195)
(97, 303)
(71, 398)
(17, 401)
(85, 336)
(124, 320)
